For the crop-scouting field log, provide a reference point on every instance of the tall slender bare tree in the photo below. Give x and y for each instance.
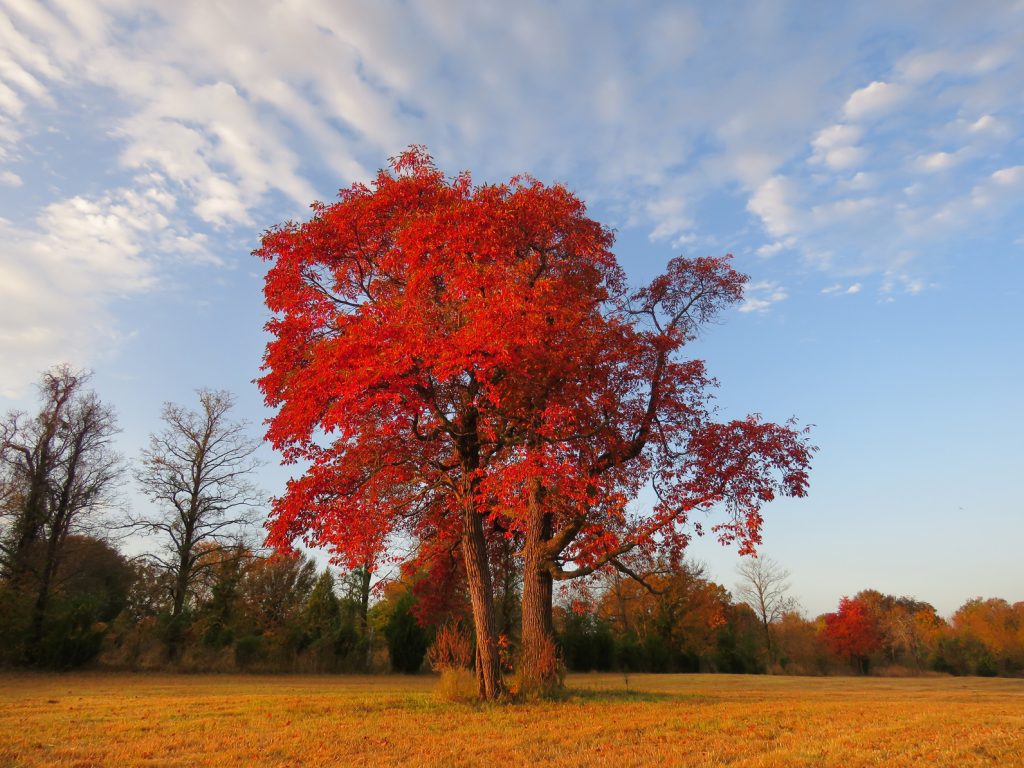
(764, 586)
(197, 472)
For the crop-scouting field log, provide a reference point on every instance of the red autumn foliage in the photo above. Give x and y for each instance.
(407, 319)
(445, 355)
(414, 323)
(852, 631)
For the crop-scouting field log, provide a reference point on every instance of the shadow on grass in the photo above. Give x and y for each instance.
(623, 695)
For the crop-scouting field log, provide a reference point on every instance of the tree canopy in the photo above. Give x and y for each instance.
(454, 361)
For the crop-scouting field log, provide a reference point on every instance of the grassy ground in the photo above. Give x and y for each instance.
(85, 720)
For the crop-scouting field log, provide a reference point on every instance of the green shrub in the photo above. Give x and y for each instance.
(407, 642)
(249, 650)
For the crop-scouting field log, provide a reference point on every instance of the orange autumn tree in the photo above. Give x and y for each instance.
(998, 626)
(679, 605)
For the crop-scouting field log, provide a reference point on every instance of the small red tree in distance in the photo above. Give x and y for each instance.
(852, 631)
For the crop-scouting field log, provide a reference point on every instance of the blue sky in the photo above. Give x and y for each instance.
(865, 164)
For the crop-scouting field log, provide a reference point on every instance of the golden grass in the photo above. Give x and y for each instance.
(86, 720)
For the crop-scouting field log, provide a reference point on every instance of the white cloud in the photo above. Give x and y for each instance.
(10, 102)
(938, 161)
(836, 146)
(248, 112)
(1008, 177)
(348, 81)
(217, 146)
(770, 249)
(839, 289)
(983, 123)
(922, 66)
(845, 157)
(874, 99)
(896, 280)
(990, 194)
(15, 75)
(60, 278)
(986, 124)
(10, 179)
(774, 202)
(867, 195)
(844, 208)
(760, 296)
(860, 181)
(673, 220)
(839, 135)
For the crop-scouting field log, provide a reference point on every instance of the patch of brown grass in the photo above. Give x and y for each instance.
(91, 720)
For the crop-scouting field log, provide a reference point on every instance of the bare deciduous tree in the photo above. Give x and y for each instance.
(764, 586)
(197, 472)
(58, 471)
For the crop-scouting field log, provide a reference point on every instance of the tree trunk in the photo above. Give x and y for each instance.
(365, 633)
(769, 643)
(364, 598)
(42, 599)
(175, 630)
(478, 578)
(507, 599)
(538, 661)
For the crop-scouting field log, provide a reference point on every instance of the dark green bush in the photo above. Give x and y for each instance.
(407, 641)
(249, 650)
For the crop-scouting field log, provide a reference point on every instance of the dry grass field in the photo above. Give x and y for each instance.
(85, 720)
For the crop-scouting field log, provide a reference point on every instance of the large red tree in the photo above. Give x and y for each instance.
(405, 358)
(450, 359)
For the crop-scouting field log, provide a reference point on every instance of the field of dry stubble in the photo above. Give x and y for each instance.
(90, 720)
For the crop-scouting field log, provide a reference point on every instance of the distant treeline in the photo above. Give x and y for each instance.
(278, 614)
(203, 599)
(694, 625)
